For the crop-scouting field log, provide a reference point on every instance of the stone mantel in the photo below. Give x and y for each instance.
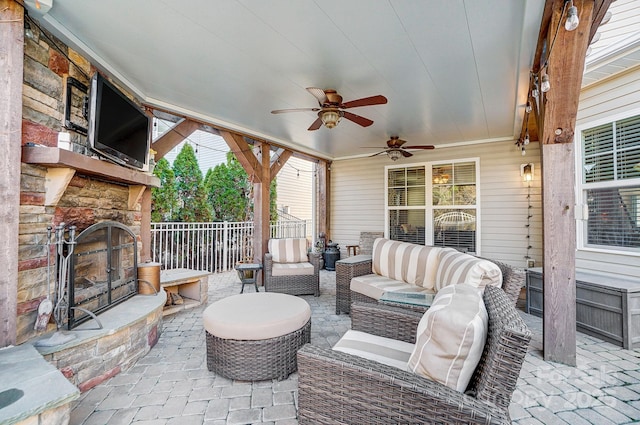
(63, 164)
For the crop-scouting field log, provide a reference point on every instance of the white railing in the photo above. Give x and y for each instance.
(215, 247)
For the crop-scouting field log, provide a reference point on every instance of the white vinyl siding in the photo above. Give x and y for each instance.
(614, 99)
(358, 198)
(295, 188)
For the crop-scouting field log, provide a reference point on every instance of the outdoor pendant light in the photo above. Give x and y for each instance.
(572, 21)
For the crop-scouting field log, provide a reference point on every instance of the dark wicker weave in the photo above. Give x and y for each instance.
(256, 360)
(386, 321)
(346, 270)
(338, 388)
(308, 284)
(513, 280)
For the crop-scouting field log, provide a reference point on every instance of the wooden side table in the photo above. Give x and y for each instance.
(248, 274)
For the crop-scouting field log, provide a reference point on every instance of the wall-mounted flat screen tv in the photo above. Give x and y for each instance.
(118, 128)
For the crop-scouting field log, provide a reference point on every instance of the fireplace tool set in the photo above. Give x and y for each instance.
(64, 242)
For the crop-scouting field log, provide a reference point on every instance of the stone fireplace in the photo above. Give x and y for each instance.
(102, 269)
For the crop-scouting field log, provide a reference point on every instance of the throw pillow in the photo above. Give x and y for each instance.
(458, 267)
(288, 250)
(451, 337)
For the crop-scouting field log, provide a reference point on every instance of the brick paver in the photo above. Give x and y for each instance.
(171, 384)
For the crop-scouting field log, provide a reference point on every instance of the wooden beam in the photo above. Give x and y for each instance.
(244, 153)
(173, 137)
(564, 65)
(599, 10)
(11, 71)
(277, 165)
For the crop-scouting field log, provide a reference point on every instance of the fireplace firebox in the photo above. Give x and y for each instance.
(102, 270)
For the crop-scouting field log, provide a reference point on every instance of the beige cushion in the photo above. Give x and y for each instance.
(451, 337)
(407, 262)
(292, 269)
(374, 286)
(382, 350)
(288, 250)
(256, 316)
(457, 267)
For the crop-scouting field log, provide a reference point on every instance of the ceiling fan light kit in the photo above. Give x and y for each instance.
(395, 148)
(331, 109)
(330, 118)
(394, 154)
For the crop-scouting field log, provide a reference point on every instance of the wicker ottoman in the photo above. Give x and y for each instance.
(255, 337)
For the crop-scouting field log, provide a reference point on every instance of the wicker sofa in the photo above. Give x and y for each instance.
(289, 269)
(406, 267)
(336, 387)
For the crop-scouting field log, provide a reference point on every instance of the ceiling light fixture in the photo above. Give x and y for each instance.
(330, 117)
(572, 21)
(394, 154)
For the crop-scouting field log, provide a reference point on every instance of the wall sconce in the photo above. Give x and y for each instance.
(526, 171)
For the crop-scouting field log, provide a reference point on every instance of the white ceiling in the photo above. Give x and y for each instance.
(453, 71)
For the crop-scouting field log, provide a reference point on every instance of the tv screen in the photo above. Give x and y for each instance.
(118, 128)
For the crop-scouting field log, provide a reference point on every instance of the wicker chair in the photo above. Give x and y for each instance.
(338, 388)
(293, 284)
(513, 280)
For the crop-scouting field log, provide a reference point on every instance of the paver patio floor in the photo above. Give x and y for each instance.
(171, 384)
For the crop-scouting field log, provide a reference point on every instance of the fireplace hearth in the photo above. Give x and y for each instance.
(102, 270)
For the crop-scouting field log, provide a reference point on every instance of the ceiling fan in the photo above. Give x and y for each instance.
(395, 148)
(331, 108)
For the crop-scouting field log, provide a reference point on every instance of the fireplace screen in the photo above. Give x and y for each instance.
(102, 271)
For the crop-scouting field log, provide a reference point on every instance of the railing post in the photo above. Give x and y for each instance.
(225, 246)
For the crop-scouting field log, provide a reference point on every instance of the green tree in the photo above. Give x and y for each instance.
(193, 206)
(230, 193)
(164, 199)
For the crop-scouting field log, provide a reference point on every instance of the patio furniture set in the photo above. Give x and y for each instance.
(419, 349)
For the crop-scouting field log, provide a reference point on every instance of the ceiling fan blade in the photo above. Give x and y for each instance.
(365, 101)
(420, 147)
(364, 122)
(376, 154)
(318, 94)
(316, 124)
(282, 111)
(405, 153)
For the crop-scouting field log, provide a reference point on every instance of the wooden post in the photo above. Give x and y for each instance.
(324, 177)
(11, 69)
(261, 203)
(559, 106)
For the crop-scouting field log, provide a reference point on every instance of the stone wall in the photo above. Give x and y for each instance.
(86, 200)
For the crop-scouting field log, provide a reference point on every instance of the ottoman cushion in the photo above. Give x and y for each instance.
(256, 316)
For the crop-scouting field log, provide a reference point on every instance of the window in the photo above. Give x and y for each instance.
(406, 204)
(433, 204)
(454, 206)
(610, 185)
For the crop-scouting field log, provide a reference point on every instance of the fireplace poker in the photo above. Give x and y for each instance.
(46, 306)
(62, 304)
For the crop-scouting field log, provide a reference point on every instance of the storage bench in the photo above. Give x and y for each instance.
(607, 307)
